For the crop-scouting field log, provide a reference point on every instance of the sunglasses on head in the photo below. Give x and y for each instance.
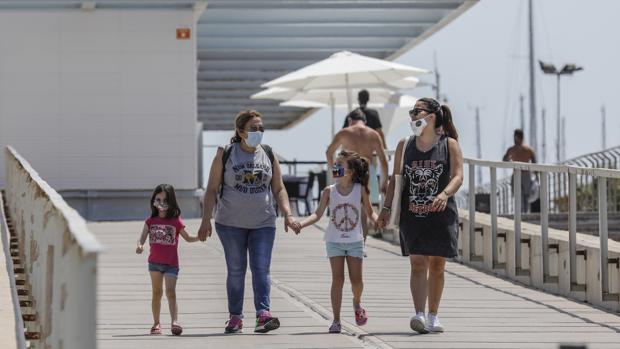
(416, 111)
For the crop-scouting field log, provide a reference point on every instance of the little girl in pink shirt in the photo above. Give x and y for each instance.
(163, 228)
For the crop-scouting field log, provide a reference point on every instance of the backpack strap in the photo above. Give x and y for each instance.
(226, 155)
(269, 152)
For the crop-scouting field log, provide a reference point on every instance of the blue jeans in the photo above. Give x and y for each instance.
(237, 243)
(165, 269)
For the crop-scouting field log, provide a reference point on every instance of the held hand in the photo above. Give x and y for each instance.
(297, 227)
(375, 222)
(384, 218)
(440, 202)
(139, 249)
(205, 230)
(292, 223)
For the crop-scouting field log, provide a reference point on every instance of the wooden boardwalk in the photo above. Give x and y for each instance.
(478, 309)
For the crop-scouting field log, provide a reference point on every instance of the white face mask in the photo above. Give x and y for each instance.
(254, 138)
(417, 126)
(160, 206)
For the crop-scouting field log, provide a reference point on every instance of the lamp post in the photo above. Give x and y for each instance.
(568, 69)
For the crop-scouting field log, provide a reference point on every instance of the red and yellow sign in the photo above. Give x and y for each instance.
(183, 33)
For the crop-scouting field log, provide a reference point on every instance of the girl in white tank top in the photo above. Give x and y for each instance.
(344, 240)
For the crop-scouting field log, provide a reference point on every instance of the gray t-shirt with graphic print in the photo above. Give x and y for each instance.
(246, 200)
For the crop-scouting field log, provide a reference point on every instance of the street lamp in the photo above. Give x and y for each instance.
(568, 69)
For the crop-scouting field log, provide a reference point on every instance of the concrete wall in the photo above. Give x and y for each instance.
(11, 324)
(101, 100)
(59, 256)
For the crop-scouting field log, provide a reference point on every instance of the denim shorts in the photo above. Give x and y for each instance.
(353, 249)
(165, 269)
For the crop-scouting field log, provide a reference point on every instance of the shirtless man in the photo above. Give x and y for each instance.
(366, 142)
(522, 153)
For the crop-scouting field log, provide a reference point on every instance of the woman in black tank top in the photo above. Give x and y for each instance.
(432, 174)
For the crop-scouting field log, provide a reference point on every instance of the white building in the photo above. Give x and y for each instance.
(107, 99)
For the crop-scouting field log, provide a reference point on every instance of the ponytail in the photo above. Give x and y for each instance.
(443, 117)
(448, 126)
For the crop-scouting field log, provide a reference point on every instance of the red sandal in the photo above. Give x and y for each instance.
(156, 329)
(176, 329)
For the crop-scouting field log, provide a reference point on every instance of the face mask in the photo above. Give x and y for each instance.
(254, 138)
(337, 171)
(417, 126)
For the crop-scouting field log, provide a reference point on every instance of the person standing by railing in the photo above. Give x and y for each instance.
(522, 153)
(432, 174)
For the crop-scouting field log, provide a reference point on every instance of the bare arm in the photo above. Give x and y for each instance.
(389, 195)
(384, 215)
(279, 191)
(211, 193)
(380, 131)
(187, 237)
(383, 162)
(142, 239)
(507, 155)
(213, 185)
(314, 217)
(331, 149)
(440, 202)
(533, 156)
(368, 207)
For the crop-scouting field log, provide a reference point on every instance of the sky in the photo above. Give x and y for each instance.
(482, 59)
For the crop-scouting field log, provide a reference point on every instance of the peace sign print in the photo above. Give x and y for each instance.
(345, 217)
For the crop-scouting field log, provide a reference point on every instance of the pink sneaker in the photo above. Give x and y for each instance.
(234, 324)
(361, 318)
(265, 322)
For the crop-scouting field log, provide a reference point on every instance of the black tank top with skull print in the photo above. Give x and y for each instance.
(425, 175)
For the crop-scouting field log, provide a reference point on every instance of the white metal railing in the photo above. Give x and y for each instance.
(558, 185)
(59, 256)
(544, 171)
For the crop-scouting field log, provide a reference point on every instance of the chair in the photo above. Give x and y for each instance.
(322, 182)
(308, 197)
(300, 189)
(322, 179)
(293, 185)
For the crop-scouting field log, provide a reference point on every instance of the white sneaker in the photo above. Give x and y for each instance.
(418, 323)
(433, 323)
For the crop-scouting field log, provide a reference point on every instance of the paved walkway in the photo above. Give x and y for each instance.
(478, 310)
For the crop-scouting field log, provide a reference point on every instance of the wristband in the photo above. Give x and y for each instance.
(445, 192)
(389, 209)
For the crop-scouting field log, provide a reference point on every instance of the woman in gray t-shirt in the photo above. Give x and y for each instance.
(245, 179)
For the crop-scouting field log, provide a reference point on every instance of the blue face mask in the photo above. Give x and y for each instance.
(337, 171)
(254, 138)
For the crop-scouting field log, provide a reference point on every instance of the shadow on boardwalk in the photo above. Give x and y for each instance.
(478, 310)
